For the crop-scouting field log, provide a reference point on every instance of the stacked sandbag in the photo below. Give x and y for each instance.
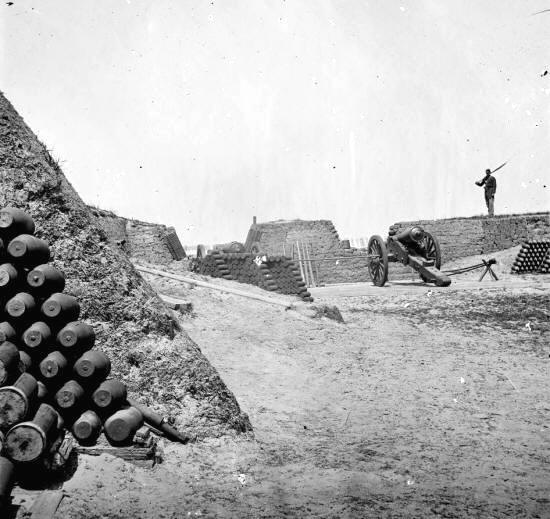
(274, 273)
(242, 268)
(51, 378)
(288, 277)
(532, 257)
(212, 264)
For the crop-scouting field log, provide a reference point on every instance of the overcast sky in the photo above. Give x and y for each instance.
(201, 114)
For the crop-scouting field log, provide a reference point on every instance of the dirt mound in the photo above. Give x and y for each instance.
(502, 268)
(163, 368)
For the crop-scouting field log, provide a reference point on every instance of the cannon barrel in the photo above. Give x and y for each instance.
(411, 236)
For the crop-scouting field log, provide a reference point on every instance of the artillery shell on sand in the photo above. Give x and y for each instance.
(415, 248)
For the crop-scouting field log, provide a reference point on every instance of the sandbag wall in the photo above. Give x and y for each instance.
(462, 237)
(534, 256)
(153, 243)
(337, 262)
(274, 273)
(51, 378)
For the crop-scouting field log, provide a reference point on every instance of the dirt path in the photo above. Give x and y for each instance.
(378, 417)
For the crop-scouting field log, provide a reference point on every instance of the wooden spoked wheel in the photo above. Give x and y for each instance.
(432, 251)
(378, 263)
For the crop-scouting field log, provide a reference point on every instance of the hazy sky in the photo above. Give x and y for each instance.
(201, 114)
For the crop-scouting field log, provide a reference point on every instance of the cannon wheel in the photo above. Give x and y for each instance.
(433, 251)
(378, 265)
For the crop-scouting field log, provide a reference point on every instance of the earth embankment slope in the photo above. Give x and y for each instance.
(162, 367)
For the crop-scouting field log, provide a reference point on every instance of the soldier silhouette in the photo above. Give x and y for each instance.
(490, 184)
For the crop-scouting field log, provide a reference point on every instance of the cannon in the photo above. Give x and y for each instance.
(414, 247)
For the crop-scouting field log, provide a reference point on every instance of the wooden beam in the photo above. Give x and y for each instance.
(46, 504)
(219, 288)
(176, 303)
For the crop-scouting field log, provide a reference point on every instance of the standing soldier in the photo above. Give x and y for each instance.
(490, 190)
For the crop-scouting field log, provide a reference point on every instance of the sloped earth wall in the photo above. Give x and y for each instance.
(142, 241)
(162, 367)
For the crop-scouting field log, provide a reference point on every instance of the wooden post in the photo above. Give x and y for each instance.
(310, 265)
(306, 264)
(302, 271)
(316, 266)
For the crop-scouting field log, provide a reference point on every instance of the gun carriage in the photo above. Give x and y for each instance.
(414, 247)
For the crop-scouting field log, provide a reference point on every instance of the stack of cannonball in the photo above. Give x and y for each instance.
(531, 257)
(51, 377)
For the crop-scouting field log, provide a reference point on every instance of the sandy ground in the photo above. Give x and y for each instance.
(422, 404)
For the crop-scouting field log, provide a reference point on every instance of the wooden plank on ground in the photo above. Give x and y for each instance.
(176, 304)
(46, 504)
(144, 456)
(219, 288)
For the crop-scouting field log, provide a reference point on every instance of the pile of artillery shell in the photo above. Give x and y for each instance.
(274, 273)
(51, 378)
(545, 265)
(533, 257)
